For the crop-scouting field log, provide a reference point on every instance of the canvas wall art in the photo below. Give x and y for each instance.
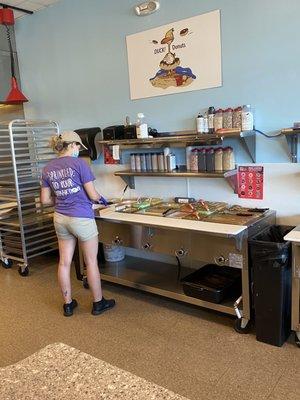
(174, 58)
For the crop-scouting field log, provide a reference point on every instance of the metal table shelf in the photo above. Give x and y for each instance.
(156, 278)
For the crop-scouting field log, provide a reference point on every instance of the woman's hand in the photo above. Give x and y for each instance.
(103, 201)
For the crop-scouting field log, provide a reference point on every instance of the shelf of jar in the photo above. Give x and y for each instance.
(129, 175)
(183, 138)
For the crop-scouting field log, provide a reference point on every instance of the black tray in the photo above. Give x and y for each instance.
(213, 283)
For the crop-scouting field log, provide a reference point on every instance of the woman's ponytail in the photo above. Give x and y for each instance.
(57, 144)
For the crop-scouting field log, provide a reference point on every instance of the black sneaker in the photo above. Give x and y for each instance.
(103, 305)
(68, 308)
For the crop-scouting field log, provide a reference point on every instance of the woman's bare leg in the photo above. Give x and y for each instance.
(90, 250)
(66, 252)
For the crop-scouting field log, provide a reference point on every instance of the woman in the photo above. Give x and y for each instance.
(68, 183)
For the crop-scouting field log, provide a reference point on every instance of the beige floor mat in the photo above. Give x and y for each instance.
(61, 372)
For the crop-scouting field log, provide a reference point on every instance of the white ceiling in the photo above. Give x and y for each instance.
(32, 5)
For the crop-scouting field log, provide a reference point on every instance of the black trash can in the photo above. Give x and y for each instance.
(270, 259)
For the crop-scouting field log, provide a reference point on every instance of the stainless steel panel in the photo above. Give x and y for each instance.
(165, 241)
(266, 220)
(213, 249)
(115, 233)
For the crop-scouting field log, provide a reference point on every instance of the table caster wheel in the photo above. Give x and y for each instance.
(7, 263)
(85, 283)
(297, 339)
(23, 271)
(242, 326)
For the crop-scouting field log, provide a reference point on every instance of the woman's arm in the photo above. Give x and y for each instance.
(91, 191)
(46, 197)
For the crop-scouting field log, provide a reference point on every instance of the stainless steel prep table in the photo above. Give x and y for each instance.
(294, 237)
(208, 242)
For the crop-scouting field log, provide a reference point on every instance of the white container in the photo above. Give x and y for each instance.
(247, 118)
(200, 124)
(171, 162)
(113, 253)
(141, 127)
(166, 153)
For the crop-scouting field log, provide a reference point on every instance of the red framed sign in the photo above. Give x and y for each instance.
(251, 182)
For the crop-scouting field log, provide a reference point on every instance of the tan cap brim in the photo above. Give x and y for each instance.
(71, 136)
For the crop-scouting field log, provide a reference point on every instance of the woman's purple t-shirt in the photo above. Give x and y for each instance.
(66, 177)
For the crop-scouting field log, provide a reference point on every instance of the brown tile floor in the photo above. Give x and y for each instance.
(192, 352)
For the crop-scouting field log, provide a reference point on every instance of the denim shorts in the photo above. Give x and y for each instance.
(82, 229)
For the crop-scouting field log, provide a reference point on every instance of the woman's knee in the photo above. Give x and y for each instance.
(91, 262)
(64, 263)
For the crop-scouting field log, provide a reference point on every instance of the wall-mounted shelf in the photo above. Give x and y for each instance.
(291, 136)
(128, 176)
(248, 140)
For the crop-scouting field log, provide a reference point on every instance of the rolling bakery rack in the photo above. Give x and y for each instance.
(26, 228)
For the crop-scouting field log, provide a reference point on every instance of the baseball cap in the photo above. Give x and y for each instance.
(71, 136)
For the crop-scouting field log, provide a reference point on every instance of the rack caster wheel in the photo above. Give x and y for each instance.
(85, 283)
(23, 272)
(242, 326)
(297, 339)
(7, 263)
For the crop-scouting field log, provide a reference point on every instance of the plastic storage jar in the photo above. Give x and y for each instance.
(202, 160)
(227, 118)
(228, 159)
(219, 159)
(194, 160)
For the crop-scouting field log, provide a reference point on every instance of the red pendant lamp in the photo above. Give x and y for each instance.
(15, 96)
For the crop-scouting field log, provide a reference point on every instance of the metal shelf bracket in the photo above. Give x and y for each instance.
(231, 179)
(249, 144)
(129, 180)
(291, 136)
(292, 142)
